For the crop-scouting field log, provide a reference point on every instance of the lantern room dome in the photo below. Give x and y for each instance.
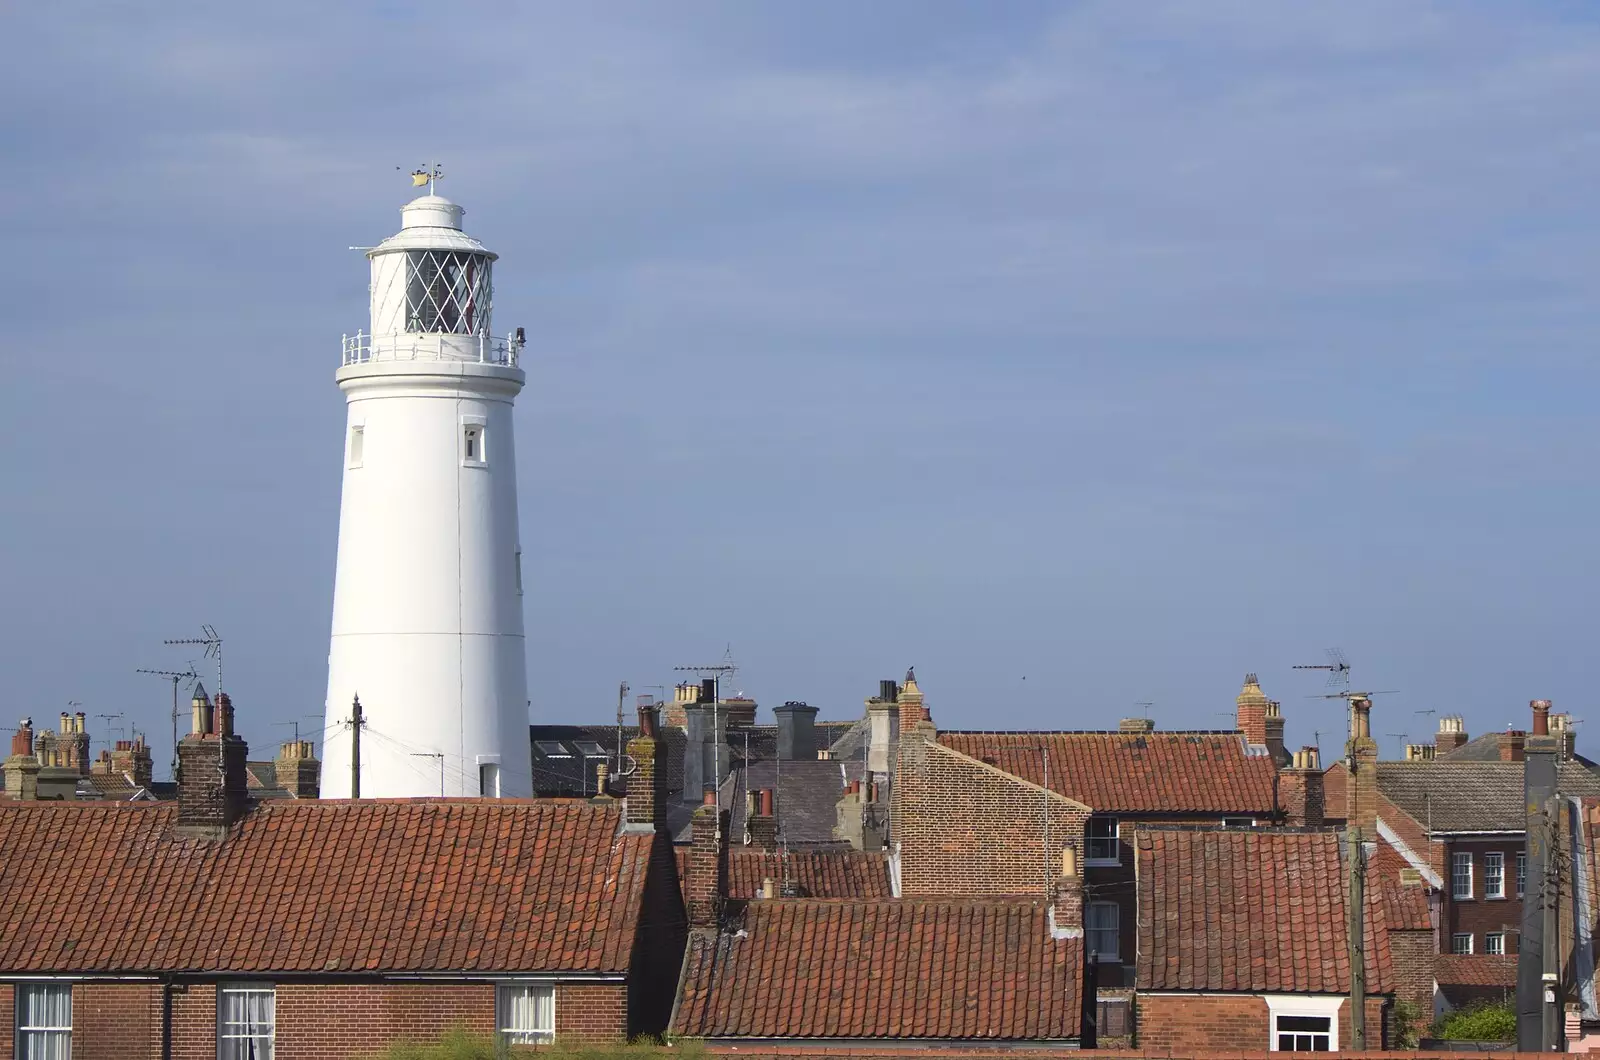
(431, 222)
(431, 211)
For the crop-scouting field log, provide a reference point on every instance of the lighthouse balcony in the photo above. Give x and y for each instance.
(363, 348)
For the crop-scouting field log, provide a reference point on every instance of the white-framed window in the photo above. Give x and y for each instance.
(1461, 943)
(1238, 823)
(1303, 1024)
(356, 448)
(1522, 873)
(525, 1012)
(1103, 845)
(489, 780)
(1494, 875)
(246, 1021)
(1495, 943)
(1102, 925)
(1303, 1034)
(474, 442)
(1461, 876)
(44, 1021)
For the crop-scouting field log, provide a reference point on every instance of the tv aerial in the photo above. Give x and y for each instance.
(1337, 667)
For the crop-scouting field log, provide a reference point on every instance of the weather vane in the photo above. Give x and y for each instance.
(421, 177)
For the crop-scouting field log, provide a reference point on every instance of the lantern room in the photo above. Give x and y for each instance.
(431, 278)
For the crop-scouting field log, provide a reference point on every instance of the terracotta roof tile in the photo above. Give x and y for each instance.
(1250, 911)
(1111, 772)
(312, 886)
(886, 969)
(826, 873)
(1481, 969)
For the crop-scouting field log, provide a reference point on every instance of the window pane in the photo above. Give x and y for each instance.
(527, 1012)
(44, 1021)
(1102, 833)
(446, 291)
(1494, 875)
(1522, 873)
(246, 1019)
(1304, 1023)
(1461, 875)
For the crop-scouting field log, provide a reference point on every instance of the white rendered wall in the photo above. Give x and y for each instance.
(427, 614)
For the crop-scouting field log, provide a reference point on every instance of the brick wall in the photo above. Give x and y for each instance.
(315, 1020)
(1180, 1024)
(966, 828)
(657, 944)
(1480, 914)
(1411, 955)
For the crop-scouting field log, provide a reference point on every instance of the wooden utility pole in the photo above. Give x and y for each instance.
(356, 722)
(1358, 956)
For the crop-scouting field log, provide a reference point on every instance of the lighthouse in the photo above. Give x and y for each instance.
(427, 599)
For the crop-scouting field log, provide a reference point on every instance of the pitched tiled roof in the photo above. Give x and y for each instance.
(1405, 908)
(1250, 911)
(320, 886)
(1160, 772)
(1452, 796)
(1451, 969)
(827, 873)
(914, 969)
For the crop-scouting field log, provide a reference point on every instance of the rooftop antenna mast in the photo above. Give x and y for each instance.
(1337, 667)
(717, 672)
(188, 677)
(109, 718)
(622, 695)
(1401, 737)
(212, 642)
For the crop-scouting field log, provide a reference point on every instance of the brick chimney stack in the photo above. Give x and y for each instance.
(1361, 758)
(912, 712)
(1274, 724)
(1301, 793)
(797, 734)
(1250, 712)
(1452, 733)
(1067, 905)
(1511, 743)
(22, 768)
(705, 876)
(212, 791)
(299, 771)
(763, 823)
(130, 759)
(647, 796)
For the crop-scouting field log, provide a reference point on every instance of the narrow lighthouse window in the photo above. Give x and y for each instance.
(358, 435)
(472, 444)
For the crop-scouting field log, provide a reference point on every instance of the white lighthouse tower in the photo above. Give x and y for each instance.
(427, 599)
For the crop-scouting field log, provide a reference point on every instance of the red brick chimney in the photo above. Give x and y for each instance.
(1301, 789)
(705, 876)
(646, 795)
(763, 823)
(1361, 790)
(1452, 733)
(1511, 742)
(212, 791)
(22, 739)
(1250, 712)
(912, 712)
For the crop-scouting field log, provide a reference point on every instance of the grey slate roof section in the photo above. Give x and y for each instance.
(1453, 796)
(806, 803)
(1486, 748)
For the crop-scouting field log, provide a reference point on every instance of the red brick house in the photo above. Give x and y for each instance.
(216, 924)
(987, 813)
(1243, 942)
(773, 971)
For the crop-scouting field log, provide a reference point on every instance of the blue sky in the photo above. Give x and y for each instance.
(1082, 355)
